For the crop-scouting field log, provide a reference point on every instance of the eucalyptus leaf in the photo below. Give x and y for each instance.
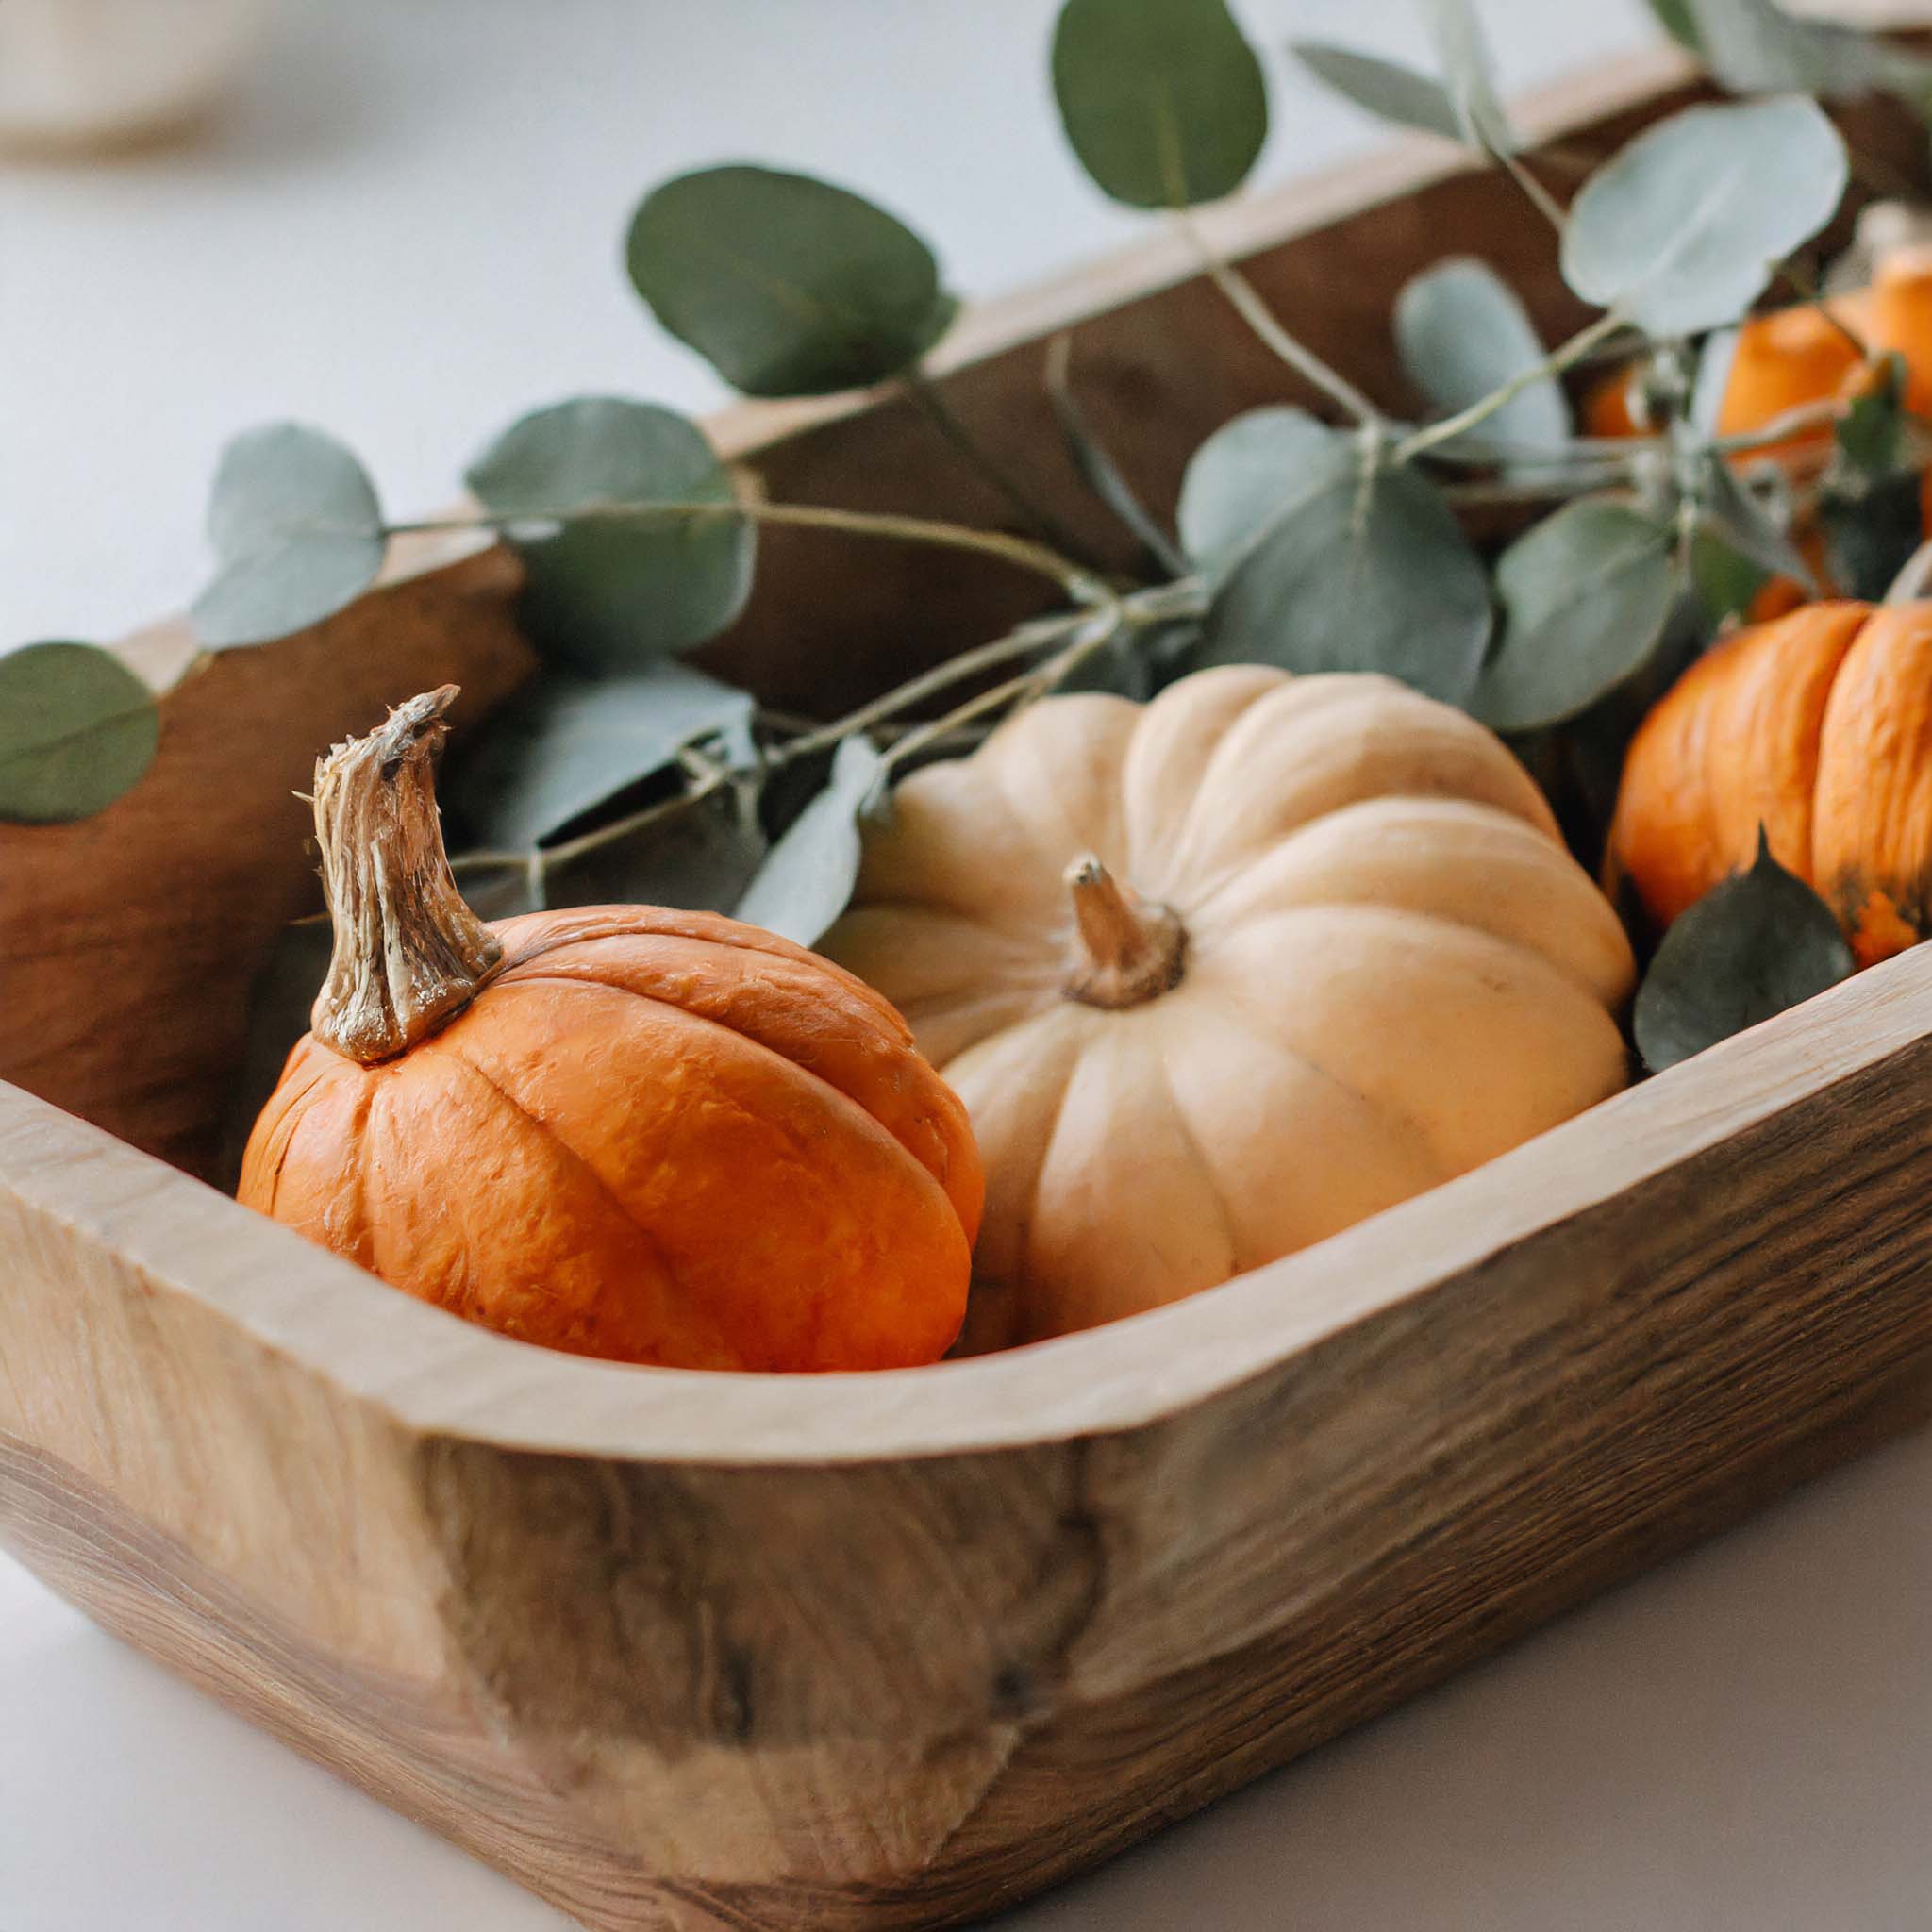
(1164, 101)
(1354, 566)
(1750, 948)
(1680, 230)
(784, 284)
(298, 534)
(1237, 481)
(566, 744)
(1677, 20)
(1870, 432)
(806, 881)
(1468, 69)
(1736, 516)
(1755, 46)
(1585, 594)
(77, 728)
(1713, 379)
(1725, 579)
(604, 591)
(1462, 332)
(1384, 88)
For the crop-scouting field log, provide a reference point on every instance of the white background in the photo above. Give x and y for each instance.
(407, 230)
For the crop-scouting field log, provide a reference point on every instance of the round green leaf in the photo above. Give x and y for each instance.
(297, 532)
(603, 592)
(1357, 569)
(1680, 230)
(786, 285)
(1463, 333)
(1585, 594)
(1748, 949)
(1238, 481)
(1386, 89)
(1164, 101)
(562, 748)
(806, 881)
(77, 728)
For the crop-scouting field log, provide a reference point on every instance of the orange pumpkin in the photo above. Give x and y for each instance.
(652, 1136)
(1817, 728)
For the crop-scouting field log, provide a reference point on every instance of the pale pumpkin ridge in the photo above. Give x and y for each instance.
(553, 1135)
(1566, 878)
(1533, 963)
(1023, 1246)
(1398, 1119)
(1202, 1166)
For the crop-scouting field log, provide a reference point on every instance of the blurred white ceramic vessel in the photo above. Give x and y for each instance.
(83, 73)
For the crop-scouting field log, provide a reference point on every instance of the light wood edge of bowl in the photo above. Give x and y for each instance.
(440, 1376)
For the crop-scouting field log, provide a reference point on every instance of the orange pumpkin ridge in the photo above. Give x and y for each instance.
(648, 1134)
(1819, 727)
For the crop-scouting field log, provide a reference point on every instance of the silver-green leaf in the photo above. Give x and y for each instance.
(1680, 230)
(806, 881)
(1164, 101)
(1585, 594)
(1749, 949)
(567, 745)
(1383, 87)
(1238, 480)
(1340, 562)
(1462, 332)
(787, 285)
(606, 591)
(298, 534)
(77, 728)
(1469, 71)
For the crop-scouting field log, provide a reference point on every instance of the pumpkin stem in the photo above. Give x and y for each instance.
(1127, 950)
(408, 954)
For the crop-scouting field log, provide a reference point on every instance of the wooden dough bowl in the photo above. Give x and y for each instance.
(718, 1651)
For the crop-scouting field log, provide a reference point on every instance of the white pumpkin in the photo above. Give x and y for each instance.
(1220, 976)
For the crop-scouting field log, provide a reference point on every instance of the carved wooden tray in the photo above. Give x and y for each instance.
(714, 1650)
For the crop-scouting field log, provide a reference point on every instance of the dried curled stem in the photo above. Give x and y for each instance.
(409, 955)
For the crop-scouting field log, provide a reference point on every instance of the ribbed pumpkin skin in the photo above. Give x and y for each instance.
(655, 1136)
(1819, 727)
(1393, 970)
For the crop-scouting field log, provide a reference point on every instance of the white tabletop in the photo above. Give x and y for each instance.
(407, 230)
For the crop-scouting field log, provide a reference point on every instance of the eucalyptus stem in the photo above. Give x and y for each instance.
(1544, 202)
(1421, 441)
(1016, 643)
(925, 397)
(1245, 299)
(1787, 423)
(1083, 586)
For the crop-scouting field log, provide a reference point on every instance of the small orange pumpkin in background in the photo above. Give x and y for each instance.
(1817, 728)
(652, 1136)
